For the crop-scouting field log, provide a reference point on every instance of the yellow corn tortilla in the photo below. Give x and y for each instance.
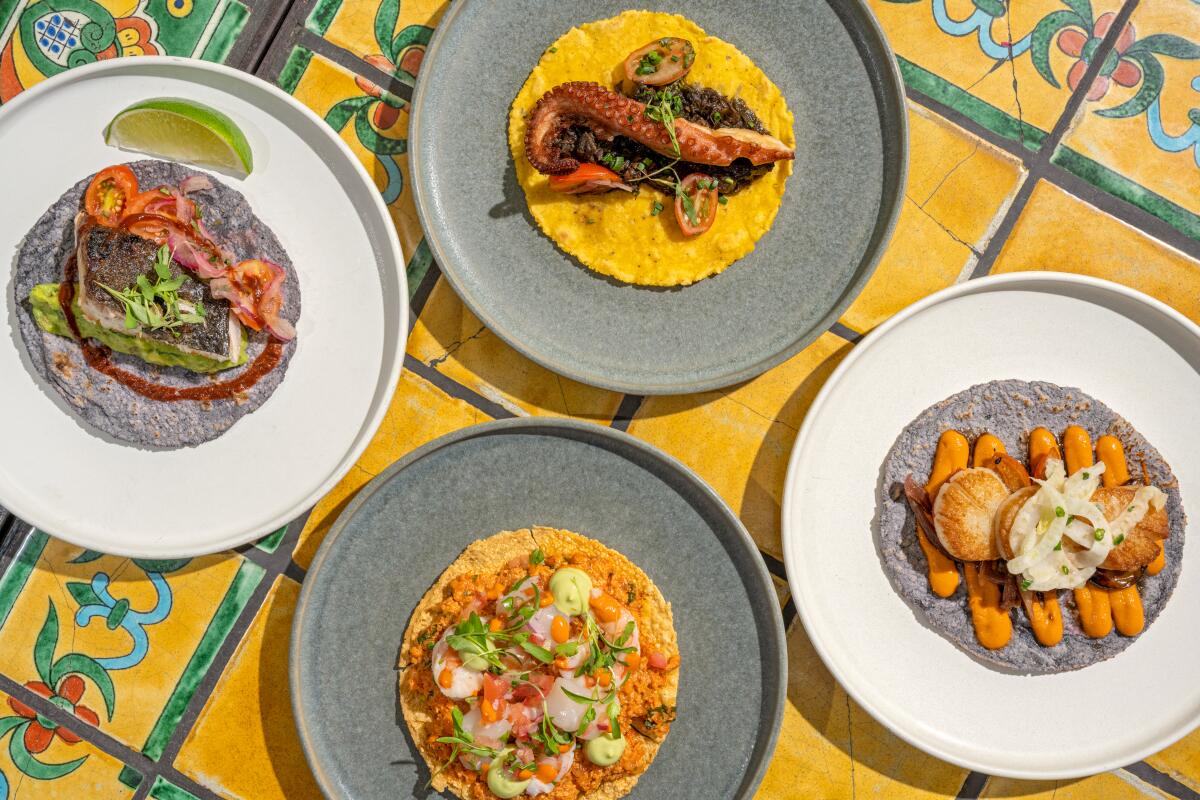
(487, 557)
(615, 233)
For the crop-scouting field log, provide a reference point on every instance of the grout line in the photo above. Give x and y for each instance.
(1039, 163)
(295, 572)
(103, 741)
(1161, 780)
(973, 786)
(846, 332)
(424, 289)
(774, 565)
(355, 63)
(629, 406)
(456, 389)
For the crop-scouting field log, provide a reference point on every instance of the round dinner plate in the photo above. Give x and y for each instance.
(1127, 350)
(839, 77)
(308, 187)
(410, 523)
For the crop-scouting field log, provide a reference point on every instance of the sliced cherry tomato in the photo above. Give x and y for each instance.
(660, 62)
(154, 227)
(140, 203)
(109, 192)
(696, 204)
(587, 178)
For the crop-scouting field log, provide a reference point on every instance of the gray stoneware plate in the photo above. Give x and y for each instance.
(840, 79)
(411, 522)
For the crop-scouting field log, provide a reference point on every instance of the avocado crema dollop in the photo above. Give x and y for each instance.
(503, 784)
(604, 751)
(571, 588)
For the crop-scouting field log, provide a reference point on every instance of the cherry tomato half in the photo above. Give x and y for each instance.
(108, 194)
(587, 178)
(696, 204)
(660, 62)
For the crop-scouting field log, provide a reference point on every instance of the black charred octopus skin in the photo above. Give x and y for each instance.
(700, 105)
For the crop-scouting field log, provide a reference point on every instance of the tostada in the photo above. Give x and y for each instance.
(1031, 525)
(650, 150)
(540, 663)
(156, 303)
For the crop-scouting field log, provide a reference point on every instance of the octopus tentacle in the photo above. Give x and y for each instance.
(608, 114)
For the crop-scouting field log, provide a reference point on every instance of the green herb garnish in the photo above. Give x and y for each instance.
(1025, 584)
(157, 305)
(1120, 538)
(537, 557)
(656, 209)
(1059, 511)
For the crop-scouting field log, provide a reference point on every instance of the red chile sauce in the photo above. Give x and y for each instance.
(97, 357)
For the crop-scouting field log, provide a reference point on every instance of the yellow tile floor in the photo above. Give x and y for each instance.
(181, 691)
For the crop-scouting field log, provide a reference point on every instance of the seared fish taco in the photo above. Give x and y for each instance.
(156, 303)
(649, 150)
(540, 663)
(1031, 525)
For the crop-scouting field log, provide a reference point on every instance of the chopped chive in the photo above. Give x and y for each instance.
(1120, 538)
(553, 49)
(1099, 534)
(1066, 570)
(1025, 584)
(1059, 511)
(722, 199)
(1058, 546)
(1086, 475)
(657, 209)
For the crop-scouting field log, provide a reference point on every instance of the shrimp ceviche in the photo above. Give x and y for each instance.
(541, 663)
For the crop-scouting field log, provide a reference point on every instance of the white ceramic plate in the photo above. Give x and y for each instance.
(1126, 349)
(275, 463)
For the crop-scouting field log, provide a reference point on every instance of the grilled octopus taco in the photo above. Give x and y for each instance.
(540, 663)
(649, 150)
(1030, 525)
(157, 305)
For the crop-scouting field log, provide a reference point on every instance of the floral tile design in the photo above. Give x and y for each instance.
(958, 186)
(37, 763)
(122, 642)
(452, 340)
(165, 790)
(419, 413)
(994, 60)
(748, 433)
(830, 748)
(252, 699)
(41, 38)
(381, 33)
(1138, 134)
(1057, 231)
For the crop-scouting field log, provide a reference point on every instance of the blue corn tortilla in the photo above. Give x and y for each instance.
(1010, 410)
(106, 406)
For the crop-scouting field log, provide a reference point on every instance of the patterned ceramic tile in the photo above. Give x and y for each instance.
(40, 761)
(748, 433)
(126, 640)
(372, 122)
(1002, 63)
(448, 337)
(1117, 785)
(252, 699)
(391, 34)
(419, 412)
(958, 189)
(830, 748)
(270, 543)
(165, 790)
(41, 38)
(1138, 136)
(1181, 760)
(1057, 231)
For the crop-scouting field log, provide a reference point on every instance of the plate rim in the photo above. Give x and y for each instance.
(389, 372)
(890, 97)
(792, 499)
(759, 762)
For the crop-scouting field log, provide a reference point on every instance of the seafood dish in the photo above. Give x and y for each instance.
(1030, 525)
(156, 304)
(540, 662)
(651, 151)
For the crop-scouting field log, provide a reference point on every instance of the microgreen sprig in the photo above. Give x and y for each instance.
(157, 305)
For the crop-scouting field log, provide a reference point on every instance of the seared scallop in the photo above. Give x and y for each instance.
(963, 512)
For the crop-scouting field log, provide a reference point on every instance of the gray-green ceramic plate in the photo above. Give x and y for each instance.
(406, 526)
(833, 65)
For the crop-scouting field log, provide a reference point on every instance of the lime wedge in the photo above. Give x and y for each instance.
(182, 130)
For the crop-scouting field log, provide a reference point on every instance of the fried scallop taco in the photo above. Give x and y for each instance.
(1031, 525)
(651, 151)
(156, 304)
(540, 663)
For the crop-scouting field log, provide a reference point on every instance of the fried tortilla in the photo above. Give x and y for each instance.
(427, 712)
(617, 233)
(1010, 410)
(106, 405)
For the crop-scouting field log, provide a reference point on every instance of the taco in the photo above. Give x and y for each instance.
(649, 150)
(1030, 525)
(156, 304)
(540, 662)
